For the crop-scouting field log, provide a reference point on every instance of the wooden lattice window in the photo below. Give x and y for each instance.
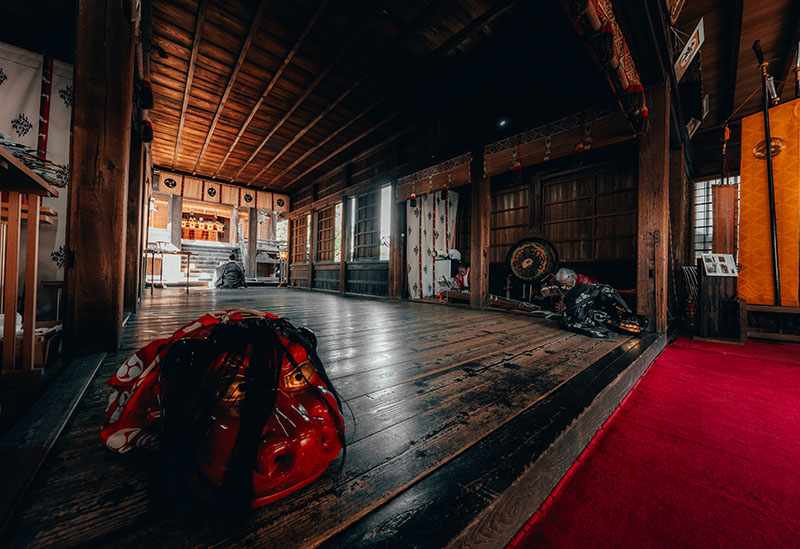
(300, 239)
(591, 215)
(326, 234)
(367, 229)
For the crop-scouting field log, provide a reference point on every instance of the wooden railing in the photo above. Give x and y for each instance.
(22, 186)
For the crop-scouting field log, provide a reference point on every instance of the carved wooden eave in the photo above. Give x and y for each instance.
(594, 20)
(453, 172)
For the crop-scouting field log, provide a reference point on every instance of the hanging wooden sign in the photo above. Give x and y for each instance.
(690, 50)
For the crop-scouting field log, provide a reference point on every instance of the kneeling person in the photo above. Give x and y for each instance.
(230, 274)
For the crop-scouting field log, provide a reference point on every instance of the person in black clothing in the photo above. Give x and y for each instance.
(230, 274)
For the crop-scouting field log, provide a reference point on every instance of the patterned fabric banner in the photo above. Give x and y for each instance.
(430, 233)
(212, 192)
(280, 202)
(20, 90)
(169, 183)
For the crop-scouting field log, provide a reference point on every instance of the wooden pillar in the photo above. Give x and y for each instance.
(678, 256)
(652, 244)
(175, 219)
(133, 240)
(396, 229)
(103, 89)
(479, 232)
(31, 282)
(252, 242)
(346, 222)
(312, 248)
(10, 289)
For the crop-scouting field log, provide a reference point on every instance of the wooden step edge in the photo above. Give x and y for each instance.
(484, 496)
(24, 448)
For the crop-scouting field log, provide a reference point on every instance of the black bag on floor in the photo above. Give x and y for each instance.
(597, 310)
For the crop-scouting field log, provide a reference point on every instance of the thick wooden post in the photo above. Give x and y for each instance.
(10, 289)
(31, 282)
(396, 263)
(653, 245)
(175, 218)
(252, 242)
(479, 232)
(103, 88)
(312, 248)
(133, 237)
(678, 191)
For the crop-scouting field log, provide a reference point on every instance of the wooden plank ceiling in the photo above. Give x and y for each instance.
(730, 69)
(274, 93)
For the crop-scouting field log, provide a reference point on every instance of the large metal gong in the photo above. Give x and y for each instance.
(532, 259)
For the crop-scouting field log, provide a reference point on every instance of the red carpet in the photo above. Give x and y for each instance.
(704, 452)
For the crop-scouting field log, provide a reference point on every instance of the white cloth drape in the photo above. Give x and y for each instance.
(20, 94)
(429, 233)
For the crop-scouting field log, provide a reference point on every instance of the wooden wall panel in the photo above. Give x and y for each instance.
(511, 219)
(368, 278)
(326, 277)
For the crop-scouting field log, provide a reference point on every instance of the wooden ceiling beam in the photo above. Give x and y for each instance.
(342, 148)
(239, 61)
(398, 40)
(286, 61)
(303, 96)
(790, 59)
(325, 141)
(733, 14)
(198, 27)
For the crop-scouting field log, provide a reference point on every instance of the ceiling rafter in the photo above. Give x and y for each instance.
(398, 40)
(735, 11)
(239, 61)
(286, 61)
(364, 154)
(342, 148)
(303, 96)
(322, 143)
(790, 59)
(451, 43)
(198, 27)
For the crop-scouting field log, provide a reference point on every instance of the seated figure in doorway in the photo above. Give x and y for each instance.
(462, 278)
(230, 274)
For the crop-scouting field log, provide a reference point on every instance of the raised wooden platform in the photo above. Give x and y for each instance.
(464, 421)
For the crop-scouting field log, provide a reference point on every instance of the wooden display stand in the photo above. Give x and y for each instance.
(18, 180)
(716, 305)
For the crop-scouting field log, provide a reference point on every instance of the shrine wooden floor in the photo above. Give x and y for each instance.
(463, 421)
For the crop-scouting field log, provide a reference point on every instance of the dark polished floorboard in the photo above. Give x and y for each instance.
(424, 382)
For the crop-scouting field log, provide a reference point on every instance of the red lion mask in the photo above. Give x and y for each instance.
(238, 402)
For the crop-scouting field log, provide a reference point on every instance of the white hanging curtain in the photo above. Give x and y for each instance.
(430, 233)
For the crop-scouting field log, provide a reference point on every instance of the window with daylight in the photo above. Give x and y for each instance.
(326, 233)
(300, 228)
(703, 215)
(366, 227)
(386, 217)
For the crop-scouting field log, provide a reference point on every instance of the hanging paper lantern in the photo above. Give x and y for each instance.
(413, 199)
(147, 131)
(146, 101)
